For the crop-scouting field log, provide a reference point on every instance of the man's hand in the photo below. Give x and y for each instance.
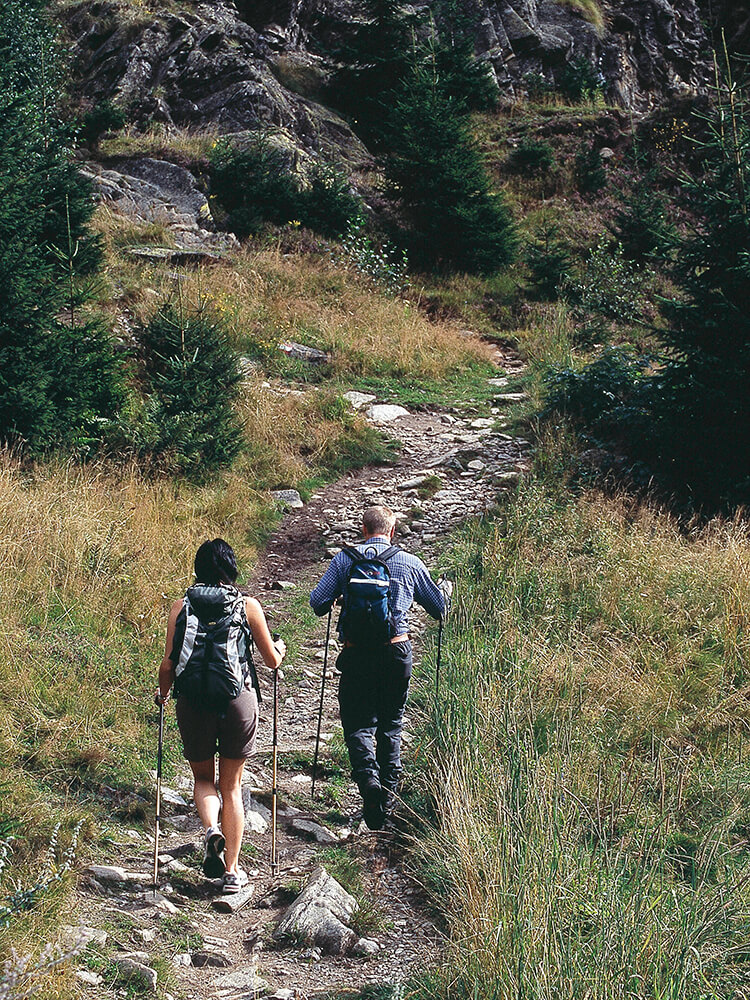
(445, 586)
(159, 698)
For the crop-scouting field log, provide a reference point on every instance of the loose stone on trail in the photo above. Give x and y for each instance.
(230, 904)
(359, 399)
(289, 498)
(173, 798)
(312, 831)
(135, 972)
(384, 413)
(244, 979)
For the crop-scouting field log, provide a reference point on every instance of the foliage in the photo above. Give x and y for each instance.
(601, 396)
(586, 759)
(254, 185)
(695, 432)
(548, 259)
(192, 379)
(103, 118)
(580, 80)
(434, 169)
(382, 263)
(642, 223)
(327, 204)
(590, 175)
(384, 47)
(57, 379)
(608, 284)
(701, 403)
(532, 157)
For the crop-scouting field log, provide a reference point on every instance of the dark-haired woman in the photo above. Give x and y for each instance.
(205, 731)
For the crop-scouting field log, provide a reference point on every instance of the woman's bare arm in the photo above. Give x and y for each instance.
(166, 669)
(272, 652)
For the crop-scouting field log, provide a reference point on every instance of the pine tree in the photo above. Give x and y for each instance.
(383, 51)
(435, 171)
(192, 376)
(56, 379)
(699, 400)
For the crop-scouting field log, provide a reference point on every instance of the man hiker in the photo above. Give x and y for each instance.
(378, 584)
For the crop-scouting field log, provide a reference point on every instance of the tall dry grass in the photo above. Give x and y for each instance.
(588, 762)
(267, 294)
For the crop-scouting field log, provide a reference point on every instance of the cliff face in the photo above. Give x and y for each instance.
(235, 66)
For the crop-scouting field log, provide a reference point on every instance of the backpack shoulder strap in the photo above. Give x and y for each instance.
(354, 554)
(388, 553)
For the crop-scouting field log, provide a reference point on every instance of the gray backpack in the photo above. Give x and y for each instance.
(215, 648)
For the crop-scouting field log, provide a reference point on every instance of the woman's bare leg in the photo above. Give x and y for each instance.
(232, 810)
(204, 792)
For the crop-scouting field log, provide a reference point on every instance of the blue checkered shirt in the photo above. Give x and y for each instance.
(410, 581)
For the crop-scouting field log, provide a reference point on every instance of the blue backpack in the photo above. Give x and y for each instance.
(365, 616)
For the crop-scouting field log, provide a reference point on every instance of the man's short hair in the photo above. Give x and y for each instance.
(378, 520)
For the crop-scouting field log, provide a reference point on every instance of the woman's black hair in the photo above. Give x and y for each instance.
(215, 563)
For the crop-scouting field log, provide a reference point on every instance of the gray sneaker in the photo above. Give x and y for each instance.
(233, 882)
(213, 854)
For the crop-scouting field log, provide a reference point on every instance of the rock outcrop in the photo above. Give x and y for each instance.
(262, 63)
(204, 66)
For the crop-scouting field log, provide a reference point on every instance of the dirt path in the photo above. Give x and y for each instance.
(235, 952)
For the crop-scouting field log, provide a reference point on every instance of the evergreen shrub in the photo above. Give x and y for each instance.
(435, 171)
(590, 175)
(580, 81)
(192, 377)
(59, 382)
(642, 224)
(532, 157)
(254, 185)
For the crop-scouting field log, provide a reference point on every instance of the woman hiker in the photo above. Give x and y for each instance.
(208, 659)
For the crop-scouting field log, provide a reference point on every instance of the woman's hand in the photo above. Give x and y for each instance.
(280, 646)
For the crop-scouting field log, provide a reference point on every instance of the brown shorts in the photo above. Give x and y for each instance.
(205, 733)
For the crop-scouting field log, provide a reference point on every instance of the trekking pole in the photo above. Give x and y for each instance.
(320, 709)
(274, 790)
(158, 794)
(439, 651)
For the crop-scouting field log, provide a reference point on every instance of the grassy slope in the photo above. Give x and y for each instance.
(589, 770)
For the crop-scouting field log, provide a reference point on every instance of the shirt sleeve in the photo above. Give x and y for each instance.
(427, 593)
(330, 586)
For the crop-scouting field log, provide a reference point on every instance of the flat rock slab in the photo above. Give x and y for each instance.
(359, 399)
(384, 413)
(232, 903)
(216, 960)
(131, 971)
(243, 979)
(320, 915)
(290, 498)
(114, 875)
(79, 937)
(311, 830)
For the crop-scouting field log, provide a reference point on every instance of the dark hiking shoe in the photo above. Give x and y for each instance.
(372, 813)
(213, 855)
(388, 801)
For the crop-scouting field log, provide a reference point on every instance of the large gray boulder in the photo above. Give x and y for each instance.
(320, 916)
(150, 190)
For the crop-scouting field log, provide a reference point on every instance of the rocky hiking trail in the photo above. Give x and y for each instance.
(175, 942)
